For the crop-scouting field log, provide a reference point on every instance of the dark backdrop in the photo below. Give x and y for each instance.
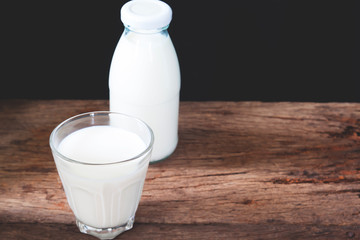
(228, 50)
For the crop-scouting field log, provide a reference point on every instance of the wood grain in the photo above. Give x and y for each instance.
(45, 231)
(248, 170)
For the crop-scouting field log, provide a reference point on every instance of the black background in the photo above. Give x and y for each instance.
(228, 50)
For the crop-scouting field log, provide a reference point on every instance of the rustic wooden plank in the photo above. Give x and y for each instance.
(30, 189)
(253, 162)
(242, 168)
(45, 231)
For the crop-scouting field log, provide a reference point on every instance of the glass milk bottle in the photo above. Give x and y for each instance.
(144, 79)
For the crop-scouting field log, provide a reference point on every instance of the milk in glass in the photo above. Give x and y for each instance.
(102, 196)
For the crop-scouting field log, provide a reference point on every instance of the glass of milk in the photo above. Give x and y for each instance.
(102, 159)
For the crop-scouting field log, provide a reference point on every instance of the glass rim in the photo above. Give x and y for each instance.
(93, 114)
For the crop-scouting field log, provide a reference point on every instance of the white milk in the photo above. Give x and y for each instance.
(102, 196)
(144, 82)
(101, 144)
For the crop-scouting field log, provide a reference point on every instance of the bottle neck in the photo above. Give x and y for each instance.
(162, 30)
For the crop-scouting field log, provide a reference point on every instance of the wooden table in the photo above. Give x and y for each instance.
(242, 170)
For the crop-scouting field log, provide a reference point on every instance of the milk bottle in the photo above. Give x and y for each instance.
(144, 78)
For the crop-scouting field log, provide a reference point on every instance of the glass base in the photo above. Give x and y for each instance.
(159, 160)
(105, 233)
(167, 156)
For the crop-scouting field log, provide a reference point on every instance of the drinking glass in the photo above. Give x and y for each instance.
(103, 195)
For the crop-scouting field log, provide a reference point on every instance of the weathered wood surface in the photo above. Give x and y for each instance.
(242, 170)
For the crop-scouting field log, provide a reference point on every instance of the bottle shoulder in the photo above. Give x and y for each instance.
(145, 67)
(145, 60)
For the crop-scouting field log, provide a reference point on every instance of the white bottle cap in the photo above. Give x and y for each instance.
(146, 14)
